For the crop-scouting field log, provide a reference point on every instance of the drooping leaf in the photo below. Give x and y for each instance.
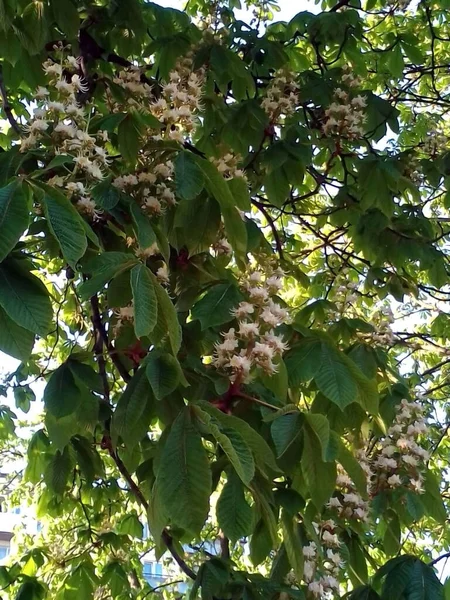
(14, 216)
(334, 379)
(62, 395)
(131, 416)
(65, 223)
(184, 476)
(15, 340)
(167, 325)
(58, 471)
(163, 372)
(102, 269)
(216, 305)
(24, 298)
(144, 300)
(189, 179)
(234, 514)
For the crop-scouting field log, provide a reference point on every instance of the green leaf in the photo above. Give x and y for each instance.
(234, 514)
(184, 476)
(167, 325)
(62, 395)
(351, 465)
(235, 229)
(261, 450)
(285, 430)
(105, 194)
(216, 305)
(233, 444)
(334, 379)
(260, 543)
(65, 223)
(391, 539)
(102, 269)
(129, 133)
(292, 543)
(197, 223)
(303, 361)
(25, 298)
(14, 217)
(144, 231)
(66, 16)
(395, 62)
(130, 525)
(58, 471)
(317, 425)
(144, 300)
(163, 372)
(432, 499)
(131, 414)
(320, 475)
(189, 180)
(15, 340)
(30, 589)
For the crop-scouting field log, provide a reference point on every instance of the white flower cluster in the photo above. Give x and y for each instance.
(344, 116)
(401, 458)
(345, 296)
(152, 189)
(61, 123)
(131, 80)
(321, 570)
(227, 165)
(382, 321)
(254, 344)
(281, 96)
(123, 314)
(435, 142)
(179, 102)
(223, 247)
(348, 503)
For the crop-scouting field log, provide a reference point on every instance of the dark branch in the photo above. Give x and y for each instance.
(7, 107)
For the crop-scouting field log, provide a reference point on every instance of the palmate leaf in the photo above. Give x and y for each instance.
(409, 578)
(292, 543)
(102, 269)
(24, 297)
(65, 223)
(131, 417)
(334, 379)
(58, 471)
(216, 305)
(167, 325)
(184, 476)
(14, 340)
(62, 395)
(234, 514)
(319, 474)
(189, 178)
(233, 444)
(144, 300)
(163, 372)
(14, 216)
(262, 452)
(235, 230)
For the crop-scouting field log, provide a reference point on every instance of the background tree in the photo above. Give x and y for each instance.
(224, 249)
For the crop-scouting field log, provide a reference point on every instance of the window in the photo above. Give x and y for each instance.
(147, 571)
(4, 551)
(158, 569)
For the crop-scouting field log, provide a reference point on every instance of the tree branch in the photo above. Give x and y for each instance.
(100, 328)
(7, 107)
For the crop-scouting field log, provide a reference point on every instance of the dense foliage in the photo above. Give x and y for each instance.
(224, 249)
